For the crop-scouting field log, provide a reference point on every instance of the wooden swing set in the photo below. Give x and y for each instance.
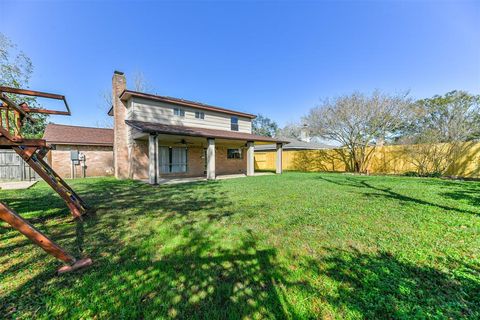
(13, 116)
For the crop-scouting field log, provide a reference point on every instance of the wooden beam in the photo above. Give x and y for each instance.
(32, 93)
(28, 152)
(26, 108)
(42, 152)
(74, 202)
(40, 239)
(7, 142)
(6, 133)
(40, 94)
(46, 111)
(11, 104)
(16, 221)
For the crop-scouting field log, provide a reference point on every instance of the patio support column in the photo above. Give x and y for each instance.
(250, 159)
(153, 159)
(211, 159)
(279, 158)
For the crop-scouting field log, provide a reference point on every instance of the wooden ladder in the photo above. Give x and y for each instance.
(32, 151)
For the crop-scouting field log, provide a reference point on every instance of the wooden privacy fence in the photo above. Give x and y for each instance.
(12, 167)
(394, 159)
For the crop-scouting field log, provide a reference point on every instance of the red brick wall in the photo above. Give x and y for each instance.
(229, 166)
(120, 143)
(99, 160)
(196, 164)
(139, 159)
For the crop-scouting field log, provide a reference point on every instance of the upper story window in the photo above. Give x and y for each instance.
(199, 115)
(179, 112)
(234, 123)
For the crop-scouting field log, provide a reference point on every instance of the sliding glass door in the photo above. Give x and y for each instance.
(172, 160)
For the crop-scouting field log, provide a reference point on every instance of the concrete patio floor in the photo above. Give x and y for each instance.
(16, 185)
(166, 181)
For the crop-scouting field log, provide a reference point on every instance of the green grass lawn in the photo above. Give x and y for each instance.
(299, 245)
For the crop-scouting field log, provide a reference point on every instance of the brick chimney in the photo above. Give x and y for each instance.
(120, 142)
(304, 135)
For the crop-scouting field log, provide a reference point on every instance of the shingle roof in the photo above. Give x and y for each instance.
(149, 127)
(64, 134)
(295, 144)
(127, 94)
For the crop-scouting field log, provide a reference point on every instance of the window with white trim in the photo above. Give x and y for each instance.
(199, 115)
(179, 112)
(234, 123)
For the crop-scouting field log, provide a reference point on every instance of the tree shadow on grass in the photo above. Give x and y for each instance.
(195, 281)
(122, 199)
(196, 278)
(380, 286)
(467, 192)
(389, 193)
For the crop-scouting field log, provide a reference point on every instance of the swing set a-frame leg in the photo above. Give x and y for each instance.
(17, 222)
(33, 157)
(33, 151)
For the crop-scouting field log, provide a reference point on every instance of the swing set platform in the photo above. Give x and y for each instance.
(13, 116)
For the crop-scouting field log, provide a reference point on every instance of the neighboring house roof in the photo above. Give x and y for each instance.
(127, 94)
(295, 144)
(149, 127)
(64, 134)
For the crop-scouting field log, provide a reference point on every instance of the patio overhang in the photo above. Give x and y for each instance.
(161, 134)
(176, 130)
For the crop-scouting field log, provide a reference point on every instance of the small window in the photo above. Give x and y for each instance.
(234, 153)
(179, 112)
(199, 115)
(234, 123)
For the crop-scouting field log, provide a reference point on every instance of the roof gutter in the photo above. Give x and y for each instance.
(127, 94)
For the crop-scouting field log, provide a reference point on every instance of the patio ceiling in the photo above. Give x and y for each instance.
(189, 141)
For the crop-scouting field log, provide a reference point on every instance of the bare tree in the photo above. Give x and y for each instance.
(104, 107)
(359, 122)
(290, 130)
(141, 83)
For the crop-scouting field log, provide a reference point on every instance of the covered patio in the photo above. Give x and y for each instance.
(184, 152)
(169, 181)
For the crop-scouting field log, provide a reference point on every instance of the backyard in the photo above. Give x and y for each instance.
(297, 245)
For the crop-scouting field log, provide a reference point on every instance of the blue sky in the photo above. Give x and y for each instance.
(275, 58)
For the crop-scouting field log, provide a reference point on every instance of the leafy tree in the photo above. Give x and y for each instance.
(359, 122)
(264, 126)
(437, 134)
(15, 71)
(448, 118)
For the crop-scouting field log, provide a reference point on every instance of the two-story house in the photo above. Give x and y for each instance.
(159, 137)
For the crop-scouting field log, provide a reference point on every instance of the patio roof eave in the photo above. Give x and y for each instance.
(175, 130)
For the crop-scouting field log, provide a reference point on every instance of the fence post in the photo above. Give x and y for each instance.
(22, 170)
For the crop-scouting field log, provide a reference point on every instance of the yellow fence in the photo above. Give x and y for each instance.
(397, 159)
